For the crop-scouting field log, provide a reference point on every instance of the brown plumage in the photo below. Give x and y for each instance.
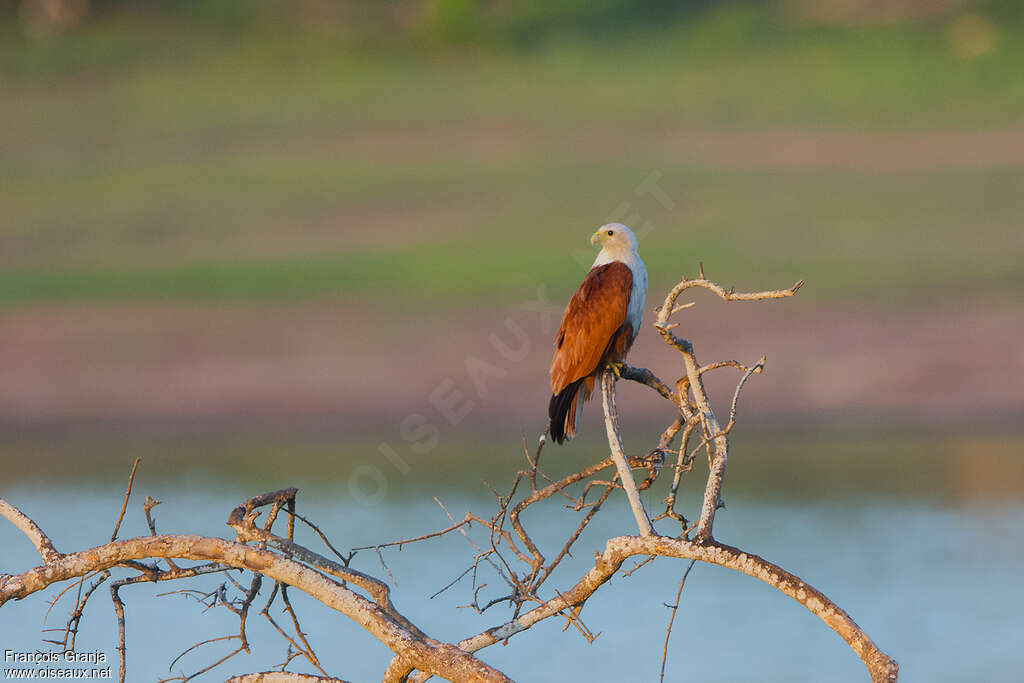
(594, 331)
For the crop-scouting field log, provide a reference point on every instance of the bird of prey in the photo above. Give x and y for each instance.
(598, 326)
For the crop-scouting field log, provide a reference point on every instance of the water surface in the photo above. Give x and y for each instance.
(924, 580)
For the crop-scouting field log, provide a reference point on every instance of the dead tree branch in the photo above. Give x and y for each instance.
(375, 614)
(695, 383)
(618, 550)
(42, 542)
(611, 421)
(509, 549)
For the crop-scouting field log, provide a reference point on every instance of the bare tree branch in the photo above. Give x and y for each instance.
(611, 421)
(40, 540)
(617, 550)
(513, 553)
(713, 490)
(438, 658)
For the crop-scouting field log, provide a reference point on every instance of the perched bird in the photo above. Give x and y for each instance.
(598, 326)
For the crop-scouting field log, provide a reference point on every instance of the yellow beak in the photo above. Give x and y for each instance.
(595, 239)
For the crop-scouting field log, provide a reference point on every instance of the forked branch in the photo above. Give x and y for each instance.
(695, 384)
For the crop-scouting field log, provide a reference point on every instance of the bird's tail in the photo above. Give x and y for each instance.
(564, 406)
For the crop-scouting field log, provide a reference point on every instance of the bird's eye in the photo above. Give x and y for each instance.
(611, 232)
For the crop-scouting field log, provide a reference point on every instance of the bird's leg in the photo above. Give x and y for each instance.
(616, 367)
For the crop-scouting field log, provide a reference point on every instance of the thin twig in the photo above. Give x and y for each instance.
(674, 607)
(465, 520)
(462, 531)
(127, 495)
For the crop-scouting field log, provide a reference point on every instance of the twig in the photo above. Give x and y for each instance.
(380, 556)
(147, 508)
(119, 613)
(462, 531)
(303, 650)
(127, 495)
(674, 608)
(456, 579)
(465, 520)
(323, 537)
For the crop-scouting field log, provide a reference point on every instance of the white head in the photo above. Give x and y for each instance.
(617, 241)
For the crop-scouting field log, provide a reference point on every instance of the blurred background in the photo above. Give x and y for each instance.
(326, 243)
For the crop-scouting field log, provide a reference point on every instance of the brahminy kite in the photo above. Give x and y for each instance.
(598, 326)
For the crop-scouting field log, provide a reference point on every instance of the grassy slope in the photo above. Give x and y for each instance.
(144, 162)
